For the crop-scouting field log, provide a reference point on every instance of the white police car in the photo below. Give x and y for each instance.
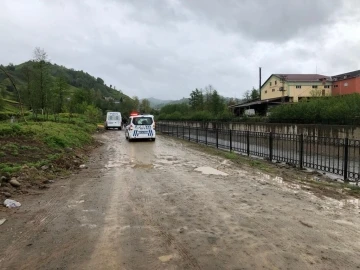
(140, 127)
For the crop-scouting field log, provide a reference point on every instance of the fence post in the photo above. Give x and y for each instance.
(183, 132)
(197, 135)
(189, 133)
(230, 137)
(301, 151)
(177, 131)
(206, 136)
(270, 146)
(346, 158)
(217, 138)
(248, 142)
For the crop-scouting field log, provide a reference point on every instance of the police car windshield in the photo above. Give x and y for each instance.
(142, 120)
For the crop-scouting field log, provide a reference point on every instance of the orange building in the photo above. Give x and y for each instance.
(347, 83)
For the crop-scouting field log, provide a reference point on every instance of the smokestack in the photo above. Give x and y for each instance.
(260, 82)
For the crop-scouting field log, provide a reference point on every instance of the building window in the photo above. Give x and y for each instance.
(323, 92)
(327, 86)
(314, 86)
(275, 82)
(298, 86)
(270, 83)
(346, 84)
(273, 90)
(265, 91)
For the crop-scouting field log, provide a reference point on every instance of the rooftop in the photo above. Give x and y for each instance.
(347, 75)
(302, 77)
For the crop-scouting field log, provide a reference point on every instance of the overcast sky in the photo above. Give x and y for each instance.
(166, 48)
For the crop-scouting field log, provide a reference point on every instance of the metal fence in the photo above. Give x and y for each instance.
(333, 155)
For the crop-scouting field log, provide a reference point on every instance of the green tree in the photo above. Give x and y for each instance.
(217, 104)
(93, 114)
(145, 106)
(2, 102)
(27, 91)
(10, 67)
(254, 94)
(99, 80)
(247, 95)
(41, 82)
(136, 103)
(60, 91)
(196, 100)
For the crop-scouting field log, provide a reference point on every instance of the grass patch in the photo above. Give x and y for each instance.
(40, 143)
(231, 155)
(9, 168)
(55, 135)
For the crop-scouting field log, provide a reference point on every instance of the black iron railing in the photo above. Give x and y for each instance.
(333, 155)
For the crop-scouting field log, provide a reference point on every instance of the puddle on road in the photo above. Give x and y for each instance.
(142, 166)
(165, 258)
(210, 171)
(75, 203)
(91, 226)
(276, 179)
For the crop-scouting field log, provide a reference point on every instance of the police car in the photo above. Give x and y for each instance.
(140, 127)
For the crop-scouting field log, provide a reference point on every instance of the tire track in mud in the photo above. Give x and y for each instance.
(154, 221)
(265, 230)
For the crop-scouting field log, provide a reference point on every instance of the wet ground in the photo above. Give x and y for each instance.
(161, 205)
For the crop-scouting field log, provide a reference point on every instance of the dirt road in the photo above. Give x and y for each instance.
(143, 205)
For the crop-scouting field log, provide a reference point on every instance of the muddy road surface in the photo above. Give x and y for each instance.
(162, 205)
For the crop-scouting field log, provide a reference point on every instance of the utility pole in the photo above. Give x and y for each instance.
(282, 88)
(260, 82)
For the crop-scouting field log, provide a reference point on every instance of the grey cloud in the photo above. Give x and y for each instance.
(166, 48)
(266, 20)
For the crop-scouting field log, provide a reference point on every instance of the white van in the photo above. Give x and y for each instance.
(141, 127)
(113, 120)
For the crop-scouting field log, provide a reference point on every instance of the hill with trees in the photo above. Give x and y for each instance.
(47, 88)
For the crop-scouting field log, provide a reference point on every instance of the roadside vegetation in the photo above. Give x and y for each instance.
(203, 105)
(36, 144)
(325, 110)
(207, 105)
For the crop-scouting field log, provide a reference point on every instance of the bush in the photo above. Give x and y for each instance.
(329, 110)
(201, 116)
(5, 116)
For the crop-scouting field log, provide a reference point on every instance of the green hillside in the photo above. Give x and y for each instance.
(77, 85)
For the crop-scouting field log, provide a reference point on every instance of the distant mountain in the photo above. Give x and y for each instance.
(158, 103)
(155, 102)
